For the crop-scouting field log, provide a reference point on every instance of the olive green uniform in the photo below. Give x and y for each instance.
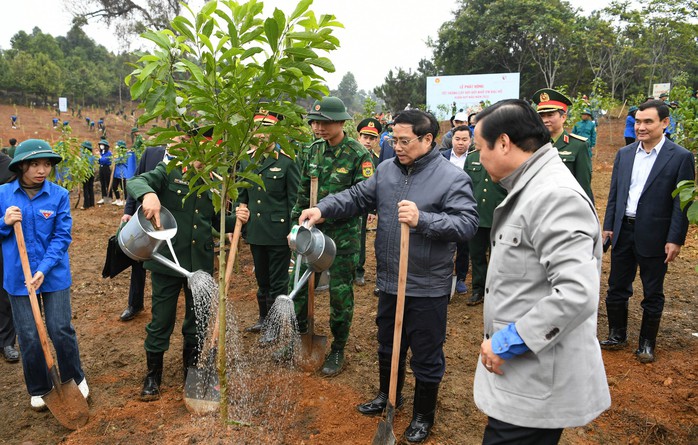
(193, 246)
(337, 169)
(488, 195)
(364, 222)
(269, 224)
(575, 154)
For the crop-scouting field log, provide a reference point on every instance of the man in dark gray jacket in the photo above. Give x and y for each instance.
(434, 197)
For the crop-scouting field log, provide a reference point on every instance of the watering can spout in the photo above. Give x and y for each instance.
(168, 263)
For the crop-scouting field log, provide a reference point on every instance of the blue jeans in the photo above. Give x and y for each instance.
(57, 315)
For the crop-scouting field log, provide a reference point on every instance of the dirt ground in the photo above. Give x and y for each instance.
(652, 404)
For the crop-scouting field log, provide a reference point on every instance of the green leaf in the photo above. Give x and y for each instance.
(304, 53)
(301, 7)
(693, 213)
(322, 62)
(157, 37)
(305, 36)
(208, 8)
(271, 29)
(208, 28)
(251, 52)
(181, 25)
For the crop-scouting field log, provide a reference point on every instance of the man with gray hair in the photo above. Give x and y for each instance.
(540, 368)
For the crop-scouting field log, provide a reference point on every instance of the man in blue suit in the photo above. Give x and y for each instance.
(645, 224)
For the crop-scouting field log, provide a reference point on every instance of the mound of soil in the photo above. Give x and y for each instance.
(652, 404)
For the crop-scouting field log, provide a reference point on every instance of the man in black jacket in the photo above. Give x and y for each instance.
(7, 328)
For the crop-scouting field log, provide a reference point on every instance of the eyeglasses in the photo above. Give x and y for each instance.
(401, 142)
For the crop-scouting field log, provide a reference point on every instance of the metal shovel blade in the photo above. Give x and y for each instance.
(67, 405)
(384, 434)
(202, 389)
(313, 349)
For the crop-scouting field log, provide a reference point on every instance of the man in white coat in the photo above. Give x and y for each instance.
(540, 367)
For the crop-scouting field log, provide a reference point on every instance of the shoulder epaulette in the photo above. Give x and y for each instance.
(576, 136)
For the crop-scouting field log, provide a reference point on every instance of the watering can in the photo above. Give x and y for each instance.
(140, 240)
(317, 249)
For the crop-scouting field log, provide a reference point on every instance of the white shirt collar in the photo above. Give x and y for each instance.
(655, 148)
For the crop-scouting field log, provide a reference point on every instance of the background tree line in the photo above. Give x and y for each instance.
(553, 44)
(41, 67)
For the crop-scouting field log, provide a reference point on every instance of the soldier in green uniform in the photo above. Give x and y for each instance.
(270, 221)
(587, 129)
(552, 107)
(369, 129)
(193, 246)
(338, 162)
(488, 195)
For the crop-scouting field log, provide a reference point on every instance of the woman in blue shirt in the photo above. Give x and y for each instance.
(630, 126)
(43, 209)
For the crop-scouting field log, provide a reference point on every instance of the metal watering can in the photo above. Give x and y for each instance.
(317, 249)
(140, 240)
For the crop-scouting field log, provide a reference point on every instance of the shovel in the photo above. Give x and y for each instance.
(384, 434)
(65, 401)
(312, 346)
(202, 390)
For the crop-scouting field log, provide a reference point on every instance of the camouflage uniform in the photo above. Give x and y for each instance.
(337, 169)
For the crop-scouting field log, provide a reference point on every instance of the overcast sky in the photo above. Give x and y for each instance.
(377, 36)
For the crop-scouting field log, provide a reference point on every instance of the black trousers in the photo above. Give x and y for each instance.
(362, 252)
(104, 178)
(502, 433)
(271, 272)
(88, 192)
(629, 140)
(462, 259)
(137, 287)
(423, 332)
(479, 247)
(7, 327)
(624, 263)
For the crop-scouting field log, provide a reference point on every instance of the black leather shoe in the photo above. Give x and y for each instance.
(257, 327)
(376, 291)
(377, 405)
(359, 279)
(11, 354)
(475, 300)
(129, 313)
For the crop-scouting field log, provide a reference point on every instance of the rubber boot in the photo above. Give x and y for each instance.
(378, 404)
(190, 357)
(425, 395)
(617, 326)
(648, 337)
(151, 384)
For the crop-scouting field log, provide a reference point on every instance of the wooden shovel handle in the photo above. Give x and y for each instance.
(399, 309)
(233, 251)
(228, 270)
(40, 327)
(311, 279)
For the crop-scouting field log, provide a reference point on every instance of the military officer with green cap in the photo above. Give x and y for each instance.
(552, 108)
(338, 162)
(369, 130)
(193, 246)
(270, 219)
